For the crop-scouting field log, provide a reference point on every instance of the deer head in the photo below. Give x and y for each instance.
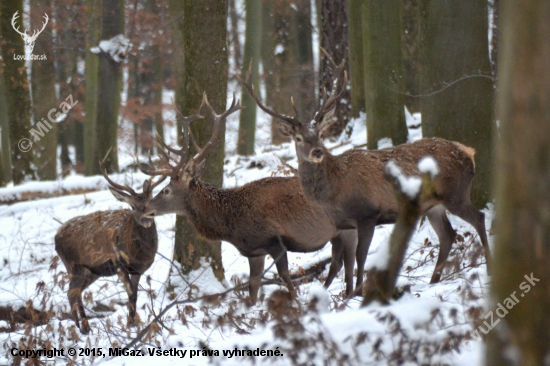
(29, 39)
(138, 201)
(186, 170)
(308, 136)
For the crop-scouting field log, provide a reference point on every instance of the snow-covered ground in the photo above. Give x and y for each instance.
(422, 326)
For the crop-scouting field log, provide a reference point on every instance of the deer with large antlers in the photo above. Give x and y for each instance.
(105, 243)
(352, 187)
(29, 40)
(267, 216)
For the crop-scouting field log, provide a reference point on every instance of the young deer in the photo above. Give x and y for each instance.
(105, 243)
(352, 187)
(267, 216)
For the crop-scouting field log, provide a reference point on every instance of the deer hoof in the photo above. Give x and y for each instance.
(85, 327)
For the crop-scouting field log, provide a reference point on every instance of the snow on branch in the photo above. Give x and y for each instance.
(409, 185)
(116, 47)
(428, 165)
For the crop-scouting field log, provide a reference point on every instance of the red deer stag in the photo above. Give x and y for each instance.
(105, 243)
(353, 190)
(267, 216)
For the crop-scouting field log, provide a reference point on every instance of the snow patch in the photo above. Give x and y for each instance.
(116, 47)
(409, 185)
(385, 143)
(428, 165)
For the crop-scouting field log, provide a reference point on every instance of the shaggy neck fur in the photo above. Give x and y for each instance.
(321, 181)
(211, 210)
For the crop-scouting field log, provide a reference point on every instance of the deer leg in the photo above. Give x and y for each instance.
(256, 270)
(470, 214)
(134, 281)
(124, 277)
(365, 231)
(80, 279)
(278, 252)
(347, 240)
(440, 222)
(337, 258)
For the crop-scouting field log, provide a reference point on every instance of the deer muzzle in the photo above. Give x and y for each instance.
(316, 155)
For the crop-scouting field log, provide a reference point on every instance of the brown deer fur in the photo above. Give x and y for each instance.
(352, 188)
(267, 216)
(105, 243)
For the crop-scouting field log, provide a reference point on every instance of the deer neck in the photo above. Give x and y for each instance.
(320, 181)
(208, 209)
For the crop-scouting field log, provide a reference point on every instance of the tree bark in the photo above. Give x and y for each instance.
(91, 155)
(252, 54)
(109, 84)
(522, 190)
(334, 39)
(5, 148)
(456, 82)
(43, 95)
(383, 72)
(356, 68)
(205, 70)
(17, 92)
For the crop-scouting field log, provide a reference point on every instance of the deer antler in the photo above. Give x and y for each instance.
(218, 119)
(112, 183)
(37, 32)
(165, 150)
(16, 28)
(329, 102)
(272, 112)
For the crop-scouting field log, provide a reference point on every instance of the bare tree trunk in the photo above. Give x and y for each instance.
(381, 282)
(91, 155)
(252, 48)
(334, 39)
(522, 190)
(205, 70)
(456, 82)
(43, 95)
(235, 41)
(109, 84)
(17, 93)
(356, 68)
(383, 72)
(411, 62)
(5, 150)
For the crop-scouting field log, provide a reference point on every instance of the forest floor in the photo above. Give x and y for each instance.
(425, 324)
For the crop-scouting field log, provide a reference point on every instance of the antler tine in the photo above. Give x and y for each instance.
(151, 172)
(272, 112)
(116, 185)
(335, 94)
(16, 28)
(218, 119)
(154, 185)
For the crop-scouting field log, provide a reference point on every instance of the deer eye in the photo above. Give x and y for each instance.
(166, 191)
(299, 138)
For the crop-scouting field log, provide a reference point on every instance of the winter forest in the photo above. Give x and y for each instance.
(295, 182)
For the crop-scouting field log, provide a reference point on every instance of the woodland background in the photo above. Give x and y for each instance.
(476, 71)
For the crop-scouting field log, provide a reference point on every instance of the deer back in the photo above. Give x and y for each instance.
(100, 239)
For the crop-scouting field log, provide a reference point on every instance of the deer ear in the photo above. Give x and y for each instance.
(285, 128)
(121, 196)
(327, 122)
(188, 171)
(146, 185)
(200, 168)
